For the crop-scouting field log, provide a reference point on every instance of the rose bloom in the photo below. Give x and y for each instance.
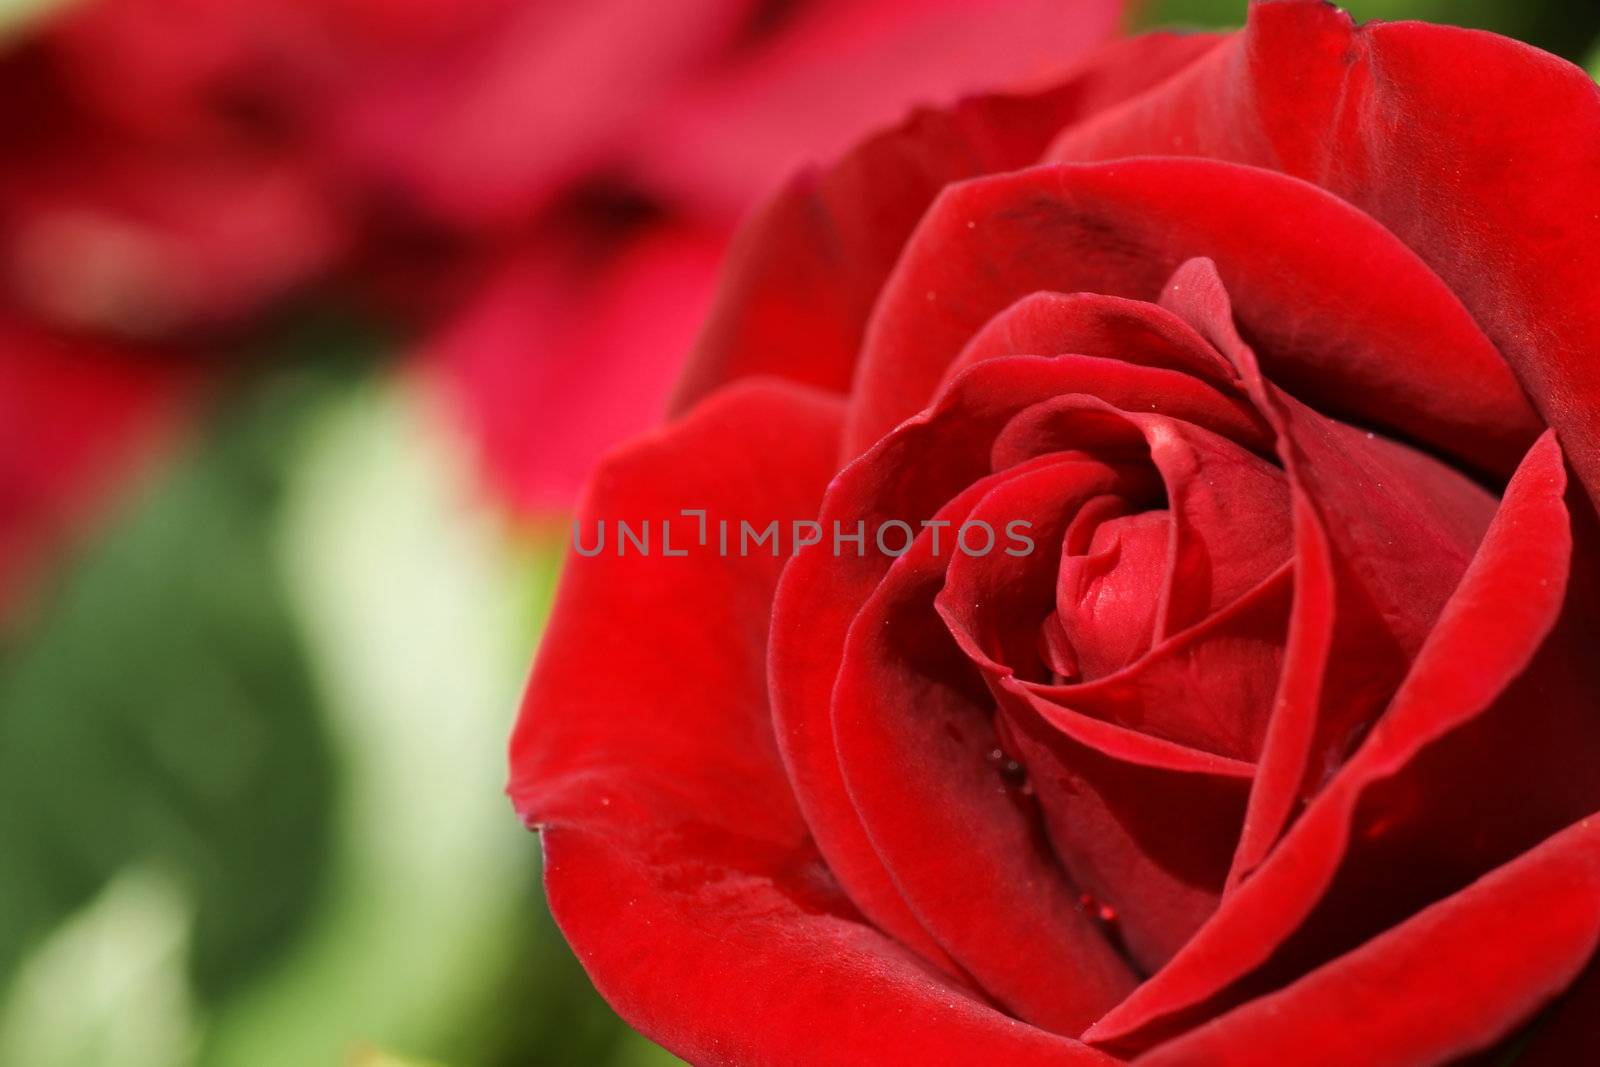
(1281, 748)
(533, 194)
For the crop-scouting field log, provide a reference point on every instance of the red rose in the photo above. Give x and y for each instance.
(1279, 746)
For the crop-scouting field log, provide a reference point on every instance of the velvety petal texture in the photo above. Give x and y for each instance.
(1190, 662)
(1329, 316)
(683, 813)
(1446, 983)
(1471, 172)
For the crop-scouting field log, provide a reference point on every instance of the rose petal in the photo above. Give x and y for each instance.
(999, 585)
(1229, 507)
(1465, 145)
(1143, 826)
(1450, 981)
(1383, 535)
(1108, 597)
(676, 862)
(1210, 687)
(930, 461)
(1091, 324)
(914, 729)
(1162, 874)
(712, 715)
(1451, 782)
(692, 953)
(804, 274)
(1360, 299)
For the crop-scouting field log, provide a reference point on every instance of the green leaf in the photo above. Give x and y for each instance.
(431, 942)
(161, 712)
(1562, 26)
(16, 16)
(109, 987)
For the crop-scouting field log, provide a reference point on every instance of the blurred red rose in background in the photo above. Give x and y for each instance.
(536, 193)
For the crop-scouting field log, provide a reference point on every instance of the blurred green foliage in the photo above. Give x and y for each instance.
(161, 712)
(433, 940)
(16, 14)
(1565, 27)
(252, 760)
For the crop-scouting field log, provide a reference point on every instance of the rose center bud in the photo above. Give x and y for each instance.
(1108, 591)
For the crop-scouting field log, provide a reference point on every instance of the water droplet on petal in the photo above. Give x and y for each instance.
(1011, 771)
(1102, 913)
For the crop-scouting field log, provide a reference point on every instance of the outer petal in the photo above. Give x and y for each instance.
(713, 713)
(803, 276)
(1566, 1033)
(1337, 308)
(1480, 153)
(741, 962)
(677, 863)
(1448, 982)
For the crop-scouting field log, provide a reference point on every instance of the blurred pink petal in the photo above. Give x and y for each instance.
(551, 381)
(146, 194)
(157, 68)
(178, 169)
(75, 420)
(556, 360)
(841, 68)
(147, 248)
(488, 130)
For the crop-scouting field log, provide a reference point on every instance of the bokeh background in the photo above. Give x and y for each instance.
(305, 342)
